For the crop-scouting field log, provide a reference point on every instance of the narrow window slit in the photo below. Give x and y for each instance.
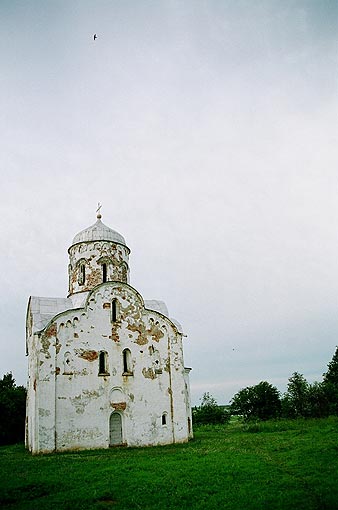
(103, 363)
(127, 362)
(82, 276)
(114, 310)
(104, 272)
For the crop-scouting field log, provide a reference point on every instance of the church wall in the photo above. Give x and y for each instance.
(83, 400)
(188, 401)
(31, 436)
(41, 391)
(180, 421)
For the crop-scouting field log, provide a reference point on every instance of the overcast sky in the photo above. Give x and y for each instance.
(208, 131)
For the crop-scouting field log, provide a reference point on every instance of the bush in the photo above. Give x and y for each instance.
(209, 412)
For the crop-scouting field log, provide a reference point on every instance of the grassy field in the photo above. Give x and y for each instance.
(273, 465)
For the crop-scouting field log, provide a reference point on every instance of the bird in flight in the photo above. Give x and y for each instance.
(94, 37)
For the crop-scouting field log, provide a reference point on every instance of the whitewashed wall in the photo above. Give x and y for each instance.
(70, 404)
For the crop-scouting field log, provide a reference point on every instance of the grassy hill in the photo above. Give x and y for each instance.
(272, 465)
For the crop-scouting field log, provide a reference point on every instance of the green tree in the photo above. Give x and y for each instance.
(12, 410)
(330, 384)
(318, 403)
(261, 402)
(209, 412)
(295, 401)
(331, 376)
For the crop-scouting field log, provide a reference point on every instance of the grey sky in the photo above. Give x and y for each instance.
(208, 130)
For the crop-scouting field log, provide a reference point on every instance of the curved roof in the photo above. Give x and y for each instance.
(98, 232)
(44, 309)
(158, 306)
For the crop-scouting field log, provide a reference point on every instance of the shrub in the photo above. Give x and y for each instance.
(209, 412)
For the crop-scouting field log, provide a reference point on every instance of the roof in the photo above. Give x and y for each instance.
(177, 324)
(160, 306)
(44, 309)
(98, 232)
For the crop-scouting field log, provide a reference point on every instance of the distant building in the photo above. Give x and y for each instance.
(105, 367)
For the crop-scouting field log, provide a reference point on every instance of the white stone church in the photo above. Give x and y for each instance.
(105, 366)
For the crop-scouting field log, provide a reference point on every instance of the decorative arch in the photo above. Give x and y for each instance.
(67, 363)
(124, 272)
(116, 395)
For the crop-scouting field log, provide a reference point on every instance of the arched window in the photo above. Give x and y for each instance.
(104, 272)
(105, 263)
(114, 310)
(164, 418)
(127, 362)
(103, 363)
(82, 274)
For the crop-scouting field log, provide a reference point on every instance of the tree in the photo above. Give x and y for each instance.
(295, 401)
(331, 376)
(209, 412)
(318, 403)
(261, 401)
(330, 384)
(12, 410)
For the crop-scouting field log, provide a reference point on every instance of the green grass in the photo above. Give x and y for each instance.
(272, 465)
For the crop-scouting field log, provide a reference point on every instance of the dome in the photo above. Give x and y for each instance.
(98, 232)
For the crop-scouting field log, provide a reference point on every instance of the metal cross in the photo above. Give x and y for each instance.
(98, 209)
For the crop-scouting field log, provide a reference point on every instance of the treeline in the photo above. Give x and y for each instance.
(12, 411)
(263, 401)
(260, 402)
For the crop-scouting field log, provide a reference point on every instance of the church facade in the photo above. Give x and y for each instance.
(105, 367)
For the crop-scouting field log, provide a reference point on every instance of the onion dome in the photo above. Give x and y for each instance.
(98, 232)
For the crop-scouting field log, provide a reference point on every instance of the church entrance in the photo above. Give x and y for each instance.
(115, 429)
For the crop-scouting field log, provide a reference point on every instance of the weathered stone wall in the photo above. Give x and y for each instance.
(75, 402)
(92, 255)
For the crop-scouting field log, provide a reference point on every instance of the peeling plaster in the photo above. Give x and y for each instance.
(80, 402)
(87, 355)
(148, 373)
(119, 406)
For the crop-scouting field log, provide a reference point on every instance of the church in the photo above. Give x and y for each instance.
(105, 366)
